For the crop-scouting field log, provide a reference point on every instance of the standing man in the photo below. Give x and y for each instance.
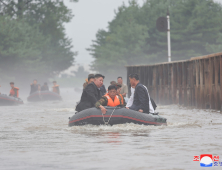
(91, 94)
(34, 87)
(45, 87)
(14, 92)
(124, 89)
(55, 88)
(141, 101)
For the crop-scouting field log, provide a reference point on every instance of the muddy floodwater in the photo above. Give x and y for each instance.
(36, 136)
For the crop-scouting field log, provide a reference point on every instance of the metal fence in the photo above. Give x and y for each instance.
(195, 82)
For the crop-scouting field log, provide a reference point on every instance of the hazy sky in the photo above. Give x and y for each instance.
(90, 16)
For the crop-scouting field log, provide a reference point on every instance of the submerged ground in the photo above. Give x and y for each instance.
(37, 136)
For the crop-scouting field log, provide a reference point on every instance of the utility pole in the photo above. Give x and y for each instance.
(168, 36)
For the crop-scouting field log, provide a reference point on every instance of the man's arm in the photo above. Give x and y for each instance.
(102, 102)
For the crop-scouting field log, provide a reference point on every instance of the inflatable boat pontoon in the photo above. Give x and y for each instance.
(43, 96)
(115, 116)
(6, 100)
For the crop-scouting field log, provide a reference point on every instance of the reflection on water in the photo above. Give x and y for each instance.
(37, 136)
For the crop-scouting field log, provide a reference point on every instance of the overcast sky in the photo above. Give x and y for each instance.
(90, 16)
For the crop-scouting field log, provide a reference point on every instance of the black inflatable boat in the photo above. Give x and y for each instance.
(43, 96)
(115, 116)
(6, 100)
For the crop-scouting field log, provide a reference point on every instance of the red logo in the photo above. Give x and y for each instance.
(196, 158)
(203, 155)
(216, 158)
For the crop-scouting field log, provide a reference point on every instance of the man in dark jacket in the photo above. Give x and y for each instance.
(45, 87)
(141, 100)
(34, 87)
(91, 94)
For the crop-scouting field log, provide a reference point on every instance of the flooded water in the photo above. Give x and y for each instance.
(37, 136)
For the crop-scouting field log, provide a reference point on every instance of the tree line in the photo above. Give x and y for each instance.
(132, 38)
(33, 42)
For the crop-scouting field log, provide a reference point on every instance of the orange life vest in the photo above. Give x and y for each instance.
(121, 97)
(14, 92)
(112, 103)
(55, 89)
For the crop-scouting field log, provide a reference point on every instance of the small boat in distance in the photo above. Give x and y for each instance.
(6, 100)
(43, 96)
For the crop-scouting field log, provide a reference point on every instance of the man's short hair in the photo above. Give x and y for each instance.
(134, 75)
(91, 76)
(45, 83)
(119, 78)
(118, 85)
(54, 82)
(12, 83)
(111, 87)
(99, 75)
(112, 82)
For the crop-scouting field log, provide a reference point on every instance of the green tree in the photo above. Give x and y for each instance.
(132, 37)
(36, 43)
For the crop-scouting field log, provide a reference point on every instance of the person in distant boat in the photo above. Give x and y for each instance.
(124, 89)
(39, 87)
(34, 87)
(111, 99)
(141, 100)
(89, 80)
(91, 94)
(14, 92)
(55, 88)
(45, 87)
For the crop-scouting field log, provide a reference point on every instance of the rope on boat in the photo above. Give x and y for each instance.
(106, 123)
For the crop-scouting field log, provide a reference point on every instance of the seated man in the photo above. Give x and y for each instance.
(141, 101)
(91, 94)
(14, 92)
(55, 88)
(111, 99)
(34, 87)
(45, 87)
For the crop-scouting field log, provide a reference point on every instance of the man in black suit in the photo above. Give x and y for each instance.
(91, 94)
(142, 101)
